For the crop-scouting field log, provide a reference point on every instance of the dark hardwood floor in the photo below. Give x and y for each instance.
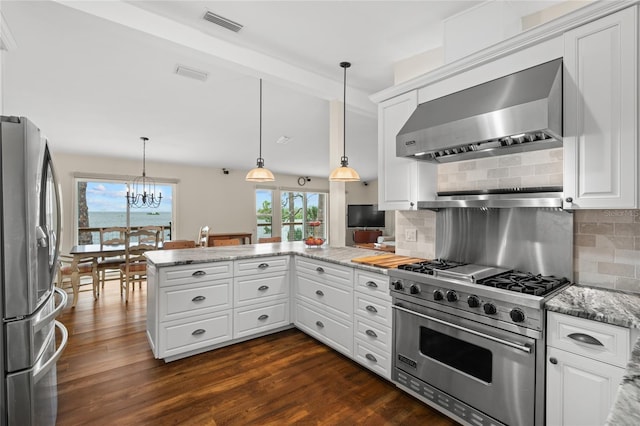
(108, 376)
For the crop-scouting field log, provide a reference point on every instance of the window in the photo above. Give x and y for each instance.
(101, 203)
(299, 213)
(303, 214)
(264, 212)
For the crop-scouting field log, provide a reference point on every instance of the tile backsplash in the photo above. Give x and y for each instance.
(606, 249)
(531, 169)
(606, 245)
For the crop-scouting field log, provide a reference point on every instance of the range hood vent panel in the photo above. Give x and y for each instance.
(516, 113)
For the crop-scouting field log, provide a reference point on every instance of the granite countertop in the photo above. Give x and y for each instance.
(616, 308)
(337, 255)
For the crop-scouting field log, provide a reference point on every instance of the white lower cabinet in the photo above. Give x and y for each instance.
(372, 322)
(191, 334)
(585, 364)
(261, 295)
(333, 332)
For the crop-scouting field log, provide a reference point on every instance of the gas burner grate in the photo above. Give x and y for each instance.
(524, 282)
(429, 266)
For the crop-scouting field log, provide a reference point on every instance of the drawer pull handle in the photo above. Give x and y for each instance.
(371, 358)
(553, 361)
(198, 299)
(319, 293)
(198, 332)
(371, 284)
(263, 317)
(319, 269)
(263, 288)
(585, 338)
(263, 265)
(371, 333)
(198, 273)
(320, 324)
(371, 308)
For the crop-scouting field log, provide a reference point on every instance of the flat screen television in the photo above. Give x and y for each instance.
(364, 216)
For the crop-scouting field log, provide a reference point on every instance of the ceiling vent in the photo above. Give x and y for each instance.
(191, 73)
(222, 21)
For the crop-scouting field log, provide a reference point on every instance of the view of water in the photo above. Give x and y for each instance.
(104, 219)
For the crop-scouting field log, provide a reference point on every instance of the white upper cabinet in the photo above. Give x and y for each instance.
(600, 113)
(398, 178)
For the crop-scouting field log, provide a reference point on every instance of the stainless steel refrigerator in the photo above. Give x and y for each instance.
(29, 301)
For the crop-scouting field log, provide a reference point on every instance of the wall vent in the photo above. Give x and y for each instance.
(191, 73)
(222, 21)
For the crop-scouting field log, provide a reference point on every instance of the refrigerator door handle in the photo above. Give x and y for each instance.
(41, 237)
(53, 314)
(41, 370)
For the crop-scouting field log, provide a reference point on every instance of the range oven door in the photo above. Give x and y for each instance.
(489, 369)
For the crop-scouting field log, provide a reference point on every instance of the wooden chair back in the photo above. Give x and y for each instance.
(203, 236)
(135, 264)
(112, 236)
(154, 228)
(228, 242)
(178, 244)
(269, 240)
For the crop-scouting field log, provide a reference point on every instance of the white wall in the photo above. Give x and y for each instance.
(204, 196)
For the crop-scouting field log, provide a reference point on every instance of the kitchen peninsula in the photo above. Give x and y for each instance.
(205, 298)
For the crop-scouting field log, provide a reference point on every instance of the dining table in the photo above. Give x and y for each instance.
(95, 252)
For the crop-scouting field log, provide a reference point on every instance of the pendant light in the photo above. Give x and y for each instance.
(143, 188)
(260, 174)
(344, 173)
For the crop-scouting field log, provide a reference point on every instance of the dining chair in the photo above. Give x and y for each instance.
(134, 267)
(154, 228)
(178, 244)
(269, 240)
(228, 242)
(86, 268)
(203, 236)
(112, 236)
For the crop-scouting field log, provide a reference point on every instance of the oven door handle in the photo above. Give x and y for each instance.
(523, 348)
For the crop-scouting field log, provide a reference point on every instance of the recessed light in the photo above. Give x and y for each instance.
(191, 73)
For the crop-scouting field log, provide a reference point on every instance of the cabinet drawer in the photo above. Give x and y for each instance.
(373, 308)
(192, 273)
(260, 288)
(194, 299)
(372, 358)
(325, 272)
(261, 264)
(373, 284)
(609, 343)
(337, 300)
(184, 336)
(372, 333)
(332, 332)
(258, 318)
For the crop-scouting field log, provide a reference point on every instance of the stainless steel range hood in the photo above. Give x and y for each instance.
(516, 113)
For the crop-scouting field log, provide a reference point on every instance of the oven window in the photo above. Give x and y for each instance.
(464, 356)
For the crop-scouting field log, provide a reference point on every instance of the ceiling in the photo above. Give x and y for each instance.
(96, 76)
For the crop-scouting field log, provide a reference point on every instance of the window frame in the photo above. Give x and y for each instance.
(126, 180)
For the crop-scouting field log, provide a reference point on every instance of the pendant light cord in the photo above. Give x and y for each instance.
(344, 115)
(260, 118)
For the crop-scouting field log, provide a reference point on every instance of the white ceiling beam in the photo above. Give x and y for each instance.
(241, 59)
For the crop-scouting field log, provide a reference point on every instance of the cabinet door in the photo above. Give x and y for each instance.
(600, 115)
(397, 177)
(580, 391)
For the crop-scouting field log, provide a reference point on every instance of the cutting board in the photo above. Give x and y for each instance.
(387, 261)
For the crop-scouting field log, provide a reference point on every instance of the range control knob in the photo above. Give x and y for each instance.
(490, 309)
(438, 295)
(414, 289)
(397, 285)
(452, 296)
(517, 315)
(473, 301)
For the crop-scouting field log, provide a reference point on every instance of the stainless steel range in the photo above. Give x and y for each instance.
(468, 337)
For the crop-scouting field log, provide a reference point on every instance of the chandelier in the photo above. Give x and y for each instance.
(143, 188)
